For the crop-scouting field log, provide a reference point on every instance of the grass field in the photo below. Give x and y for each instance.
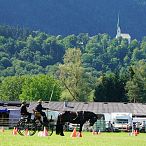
(104, 139)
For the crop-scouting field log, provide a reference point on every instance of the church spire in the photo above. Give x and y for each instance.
(118, 28)
(120, 34)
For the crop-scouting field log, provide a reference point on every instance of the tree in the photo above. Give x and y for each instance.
(5, 62)
(136, 86)
(110, 88)
(82, 40)
(40, 86)
(52, 47)
(133, 91)
(30, 88)
(70, 41)
(32, 44)
(72, 75)
(11, 88)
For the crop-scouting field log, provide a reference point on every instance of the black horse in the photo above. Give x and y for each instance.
(79, 117)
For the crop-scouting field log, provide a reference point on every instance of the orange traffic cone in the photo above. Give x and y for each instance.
(135, 133)
(26, 132)
(99, 132)
(79, 134)
(73, 134)
(45, 132)
(94, 132)
(14, 131)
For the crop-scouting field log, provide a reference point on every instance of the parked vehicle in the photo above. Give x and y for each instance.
(72, 126)
(121, 121)
(140, 123)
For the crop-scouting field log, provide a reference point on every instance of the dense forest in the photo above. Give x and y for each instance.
(34, 65)
(76, 16)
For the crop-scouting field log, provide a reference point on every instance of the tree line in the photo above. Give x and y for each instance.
(97, 68)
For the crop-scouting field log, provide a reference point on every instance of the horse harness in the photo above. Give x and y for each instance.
(78, 115)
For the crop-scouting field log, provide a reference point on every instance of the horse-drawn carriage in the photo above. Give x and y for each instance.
(35, 124)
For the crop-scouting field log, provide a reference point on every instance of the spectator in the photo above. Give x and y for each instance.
(110, 126)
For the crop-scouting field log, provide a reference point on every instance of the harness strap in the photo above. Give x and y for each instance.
(60, 118)
(76, 116)
(83, 115)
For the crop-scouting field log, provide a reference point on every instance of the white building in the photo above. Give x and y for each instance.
(120, 34)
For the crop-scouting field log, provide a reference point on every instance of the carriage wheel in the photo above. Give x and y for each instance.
(26, 128)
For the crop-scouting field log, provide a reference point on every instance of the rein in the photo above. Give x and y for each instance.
(76, 116)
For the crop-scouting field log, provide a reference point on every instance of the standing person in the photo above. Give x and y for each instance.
(23, 110)
(110, 126)
(39, 109)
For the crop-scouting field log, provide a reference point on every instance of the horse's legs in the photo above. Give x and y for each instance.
(61, 130)
(57, 129)
(80, 130)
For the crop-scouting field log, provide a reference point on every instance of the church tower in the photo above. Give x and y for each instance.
(118, 28)
(120, 34)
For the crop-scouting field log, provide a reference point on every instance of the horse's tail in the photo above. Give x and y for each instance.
(58, 125)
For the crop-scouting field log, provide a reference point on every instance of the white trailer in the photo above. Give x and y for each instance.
(121, 121)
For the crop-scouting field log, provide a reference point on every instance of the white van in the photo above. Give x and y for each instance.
(121, 121)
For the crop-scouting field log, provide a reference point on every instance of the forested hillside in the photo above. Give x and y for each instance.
(76, 16)
(32, 52)
(83, 67)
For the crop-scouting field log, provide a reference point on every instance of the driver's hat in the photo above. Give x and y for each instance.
(23, 102)
(39, 101)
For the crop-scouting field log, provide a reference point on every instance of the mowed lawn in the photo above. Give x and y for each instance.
(87, 139)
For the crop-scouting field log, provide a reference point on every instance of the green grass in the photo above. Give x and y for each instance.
(104, 139)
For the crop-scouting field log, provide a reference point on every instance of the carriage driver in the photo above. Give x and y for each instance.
(39, 109)
(23, 110)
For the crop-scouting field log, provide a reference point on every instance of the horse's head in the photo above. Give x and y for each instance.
(93, 119)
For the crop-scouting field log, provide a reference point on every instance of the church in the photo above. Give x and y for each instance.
(120, 34)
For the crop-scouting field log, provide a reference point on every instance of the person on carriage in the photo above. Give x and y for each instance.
(24, 111)
(39, 108)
